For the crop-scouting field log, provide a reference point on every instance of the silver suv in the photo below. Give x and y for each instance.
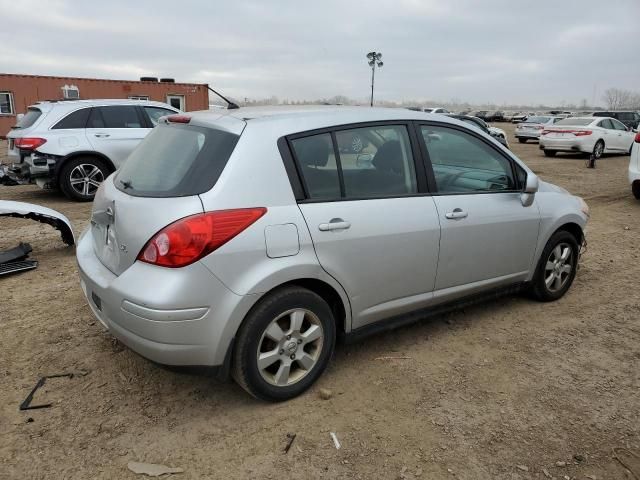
(75, 145)
(248, 240)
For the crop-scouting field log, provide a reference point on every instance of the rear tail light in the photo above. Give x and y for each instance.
(581, 133)
(29, 143)
(191, 238)
(638, 137)
(179, 118)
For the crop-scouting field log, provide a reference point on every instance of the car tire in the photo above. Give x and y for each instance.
(556, 269)
(78, 187)
(598, 149)
(276, 328)
(635, 189)
(550, 153)
(522, 140)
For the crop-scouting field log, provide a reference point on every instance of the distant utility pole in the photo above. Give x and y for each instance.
(375, 59)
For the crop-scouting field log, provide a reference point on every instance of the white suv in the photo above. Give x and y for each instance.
(75, 145)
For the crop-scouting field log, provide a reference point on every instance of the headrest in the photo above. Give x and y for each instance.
(388, 158)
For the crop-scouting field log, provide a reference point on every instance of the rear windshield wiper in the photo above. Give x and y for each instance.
(126, 184)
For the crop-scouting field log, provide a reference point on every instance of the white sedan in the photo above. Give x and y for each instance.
(634, 167)
(594, 135)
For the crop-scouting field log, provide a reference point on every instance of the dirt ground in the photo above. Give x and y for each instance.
(511, 389)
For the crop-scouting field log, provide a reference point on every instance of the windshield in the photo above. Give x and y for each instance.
(538, 119)
(578, 122)
(176, 161)
(29, 118)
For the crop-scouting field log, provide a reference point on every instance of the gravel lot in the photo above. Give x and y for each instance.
(511, 389)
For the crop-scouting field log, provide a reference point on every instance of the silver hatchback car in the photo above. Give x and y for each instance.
(249, 241)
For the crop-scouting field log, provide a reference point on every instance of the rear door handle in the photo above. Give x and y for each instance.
(334, 224)
(456, 214)
(101, 135)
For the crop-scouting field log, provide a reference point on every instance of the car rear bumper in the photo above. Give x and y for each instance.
(527, 134)
(564, 145)
(171, 316)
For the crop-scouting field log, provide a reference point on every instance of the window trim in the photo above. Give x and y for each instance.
(297, 181)
(12, 106)
(183, 101)
(142, 98)
(429, 166)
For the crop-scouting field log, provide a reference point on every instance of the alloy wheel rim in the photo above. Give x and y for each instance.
(290, 347)
(86, 178)
(599, 149)
(558, 267)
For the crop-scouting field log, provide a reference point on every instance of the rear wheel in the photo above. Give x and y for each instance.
(80, 177)
(550, 153)
(635, 188)
(598, 149)
(284, 345)
(556, 268)
(522, 140)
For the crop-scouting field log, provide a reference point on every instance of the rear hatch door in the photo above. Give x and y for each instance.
(159, 183)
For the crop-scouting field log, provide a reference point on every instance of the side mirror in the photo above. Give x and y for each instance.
(531, 187)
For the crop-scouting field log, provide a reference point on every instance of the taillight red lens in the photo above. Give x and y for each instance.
(638, 137)
(191, 238)
(29, 143)
(582, 133)
(179, 118)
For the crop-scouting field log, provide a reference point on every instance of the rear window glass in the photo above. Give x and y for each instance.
(575, 121)
(29, 118)
(538, 119)
(176, 161)
(77, 119)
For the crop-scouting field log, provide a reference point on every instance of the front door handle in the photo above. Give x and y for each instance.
(334, 224)
(101, 135)
(456, 214)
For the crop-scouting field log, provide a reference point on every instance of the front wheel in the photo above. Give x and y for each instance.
(550, 153)
(284, 345)
(557, 267)
(80, 178)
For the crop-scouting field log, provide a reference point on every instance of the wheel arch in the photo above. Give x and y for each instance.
(574, 229)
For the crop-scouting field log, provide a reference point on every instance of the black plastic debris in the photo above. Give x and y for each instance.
(21, 252)
(26, 403)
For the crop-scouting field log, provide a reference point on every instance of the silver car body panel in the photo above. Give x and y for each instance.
(398, 254)
(40, 214)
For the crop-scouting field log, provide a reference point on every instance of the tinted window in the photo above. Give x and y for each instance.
(575, 121)
(618, 125)
(29, 118)
(625, 116)
(155, 113)
(175, 161)
(318, 166)
(385, 167)
(463, 163)
(606, 123)
(77, 119)
(601, 114)
(117, 116)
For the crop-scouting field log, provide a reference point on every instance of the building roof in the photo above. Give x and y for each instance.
(20, 75)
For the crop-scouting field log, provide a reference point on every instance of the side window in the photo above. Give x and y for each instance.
(77, 119)
(155, 113)
(606, 123)
(119, 116)
(557, 119)
(463, 163)
(384, 166)
(618, 125)
(318, 166)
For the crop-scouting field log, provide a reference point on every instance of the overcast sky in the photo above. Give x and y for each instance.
(480, 51)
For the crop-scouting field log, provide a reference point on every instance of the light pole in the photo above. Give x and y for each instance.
(375, 59)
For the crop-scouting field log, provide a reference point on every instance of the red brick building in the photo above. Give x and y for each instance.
(17, 92)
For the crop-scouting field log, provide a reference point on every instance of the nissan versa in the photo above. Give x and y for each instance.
(248, 240)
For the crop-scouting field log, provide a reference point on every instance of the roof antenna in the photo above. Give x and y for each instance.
(231, 105)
